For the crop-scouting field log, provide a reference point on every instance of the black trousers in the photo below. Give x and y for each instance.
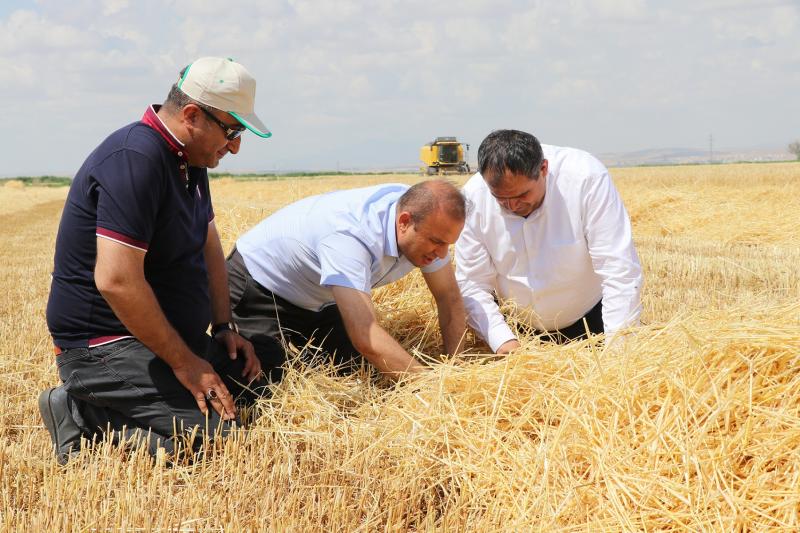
(577, 331)
(271, 322)
(126, 387)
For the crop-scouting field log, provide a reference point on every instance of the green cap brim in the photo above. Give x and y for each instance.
(253, 124)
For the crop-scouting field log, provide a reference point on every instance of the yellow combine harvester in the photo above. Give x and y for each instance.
(445, 155)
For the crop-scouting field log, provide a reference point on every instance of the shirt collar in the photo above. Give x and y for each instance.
(152, 119)
(390, 242)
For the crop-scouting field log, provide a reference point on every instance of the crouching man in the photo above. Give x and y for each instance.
(305, 273)
(549, 232)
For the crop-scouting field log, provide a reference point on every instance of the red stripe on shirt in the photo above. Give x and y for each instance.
(119, 237)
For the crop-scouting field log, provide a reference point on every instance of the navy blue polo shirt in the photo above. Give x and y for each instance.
(137, 189)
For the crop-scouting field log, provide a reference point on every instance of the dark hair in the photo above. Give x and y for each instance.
(426, 197)
(509, 150)
(177, 99)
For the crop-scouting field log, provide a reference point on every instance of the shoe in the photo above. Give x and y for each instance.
(64, 432)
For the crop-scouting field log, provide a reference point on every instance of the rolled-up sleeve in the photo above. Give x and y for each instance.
(476, 277)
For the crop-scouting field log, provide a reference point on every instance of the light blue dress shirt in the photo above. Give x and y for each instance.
(343, 238)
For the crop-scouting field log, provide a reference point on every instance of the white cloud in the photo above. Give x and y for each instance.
(27, 31)
(756, 24)
(574, 89)
(524, 32)
(326, 12)
(123, 33)
(618, 9)
(111, 7)
(16, 74)
(334, 76)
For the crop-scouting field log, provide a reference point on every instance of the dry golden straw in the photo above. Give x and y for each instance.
(692, 423)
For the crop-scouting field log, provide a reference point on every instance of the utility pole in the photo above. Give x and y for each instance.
(710, 148)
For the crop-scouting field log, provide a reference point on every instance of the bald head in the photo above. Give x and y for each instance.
(427, 197)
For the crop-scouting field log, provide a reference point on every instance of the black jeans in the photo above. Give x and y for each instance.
(125, 387)
(577, 331)
(270, 322)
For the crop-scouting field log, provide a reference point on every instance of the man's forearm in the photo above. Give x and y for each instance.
(450, 305)
(369, 338)
(453, 325)
(386, 354)
(136, 307)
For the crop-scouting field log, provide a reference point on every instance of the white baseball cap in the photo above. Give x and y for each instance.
(224, 84)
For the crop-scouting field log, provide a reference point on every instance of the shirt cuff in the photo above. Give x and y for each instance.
(499, 335)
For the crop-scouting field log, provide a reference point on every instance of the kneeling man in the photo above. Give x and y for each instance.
(139, 275)
(304, 274)
(549, 232)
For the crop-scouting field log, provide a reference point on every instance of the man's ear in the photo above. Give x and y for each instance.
(190, 115)
(404, 220)
(545, 165)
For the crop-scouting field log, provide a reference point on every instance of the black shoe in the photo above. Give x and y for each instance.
(64, 432)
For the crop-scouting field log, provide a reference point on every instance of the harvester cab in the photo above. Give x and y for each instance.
(445, 155)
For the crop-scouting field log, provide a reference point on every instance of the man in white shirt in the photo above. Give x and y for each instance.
(304, 274)
(547, 231)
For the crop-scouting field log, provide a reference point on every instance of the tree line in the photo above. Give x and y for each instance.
(795, 149)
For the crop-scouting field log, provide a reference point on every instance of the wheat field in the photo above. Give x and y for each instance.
(691, 424)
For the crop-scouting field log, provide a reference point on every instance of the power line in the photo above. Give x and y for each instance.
(710, 148)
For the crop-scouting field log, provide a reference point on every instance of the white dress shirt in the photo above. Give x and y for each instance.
(557, 262)
(343, 238)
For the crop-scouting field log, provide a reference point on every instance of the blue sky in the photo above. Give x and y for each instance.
(363, 84)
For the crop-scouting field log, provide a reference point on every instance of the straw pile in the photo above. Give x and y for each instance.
(691, 423)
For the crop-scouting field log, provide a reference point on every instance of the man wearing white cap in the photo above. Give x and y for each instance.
(139, 275)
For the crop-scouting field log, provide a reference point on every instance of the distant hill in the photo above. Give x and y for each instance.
(676, 156)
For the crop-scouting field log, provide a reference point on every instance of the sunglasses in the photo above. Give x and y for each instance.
(231, 132)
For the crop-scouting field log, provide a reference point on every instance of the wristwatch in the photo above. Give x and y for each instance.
(224, 326)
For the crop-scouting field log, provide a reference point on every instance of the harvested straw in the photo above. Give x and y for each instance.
(680, 429)
(691, 424)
